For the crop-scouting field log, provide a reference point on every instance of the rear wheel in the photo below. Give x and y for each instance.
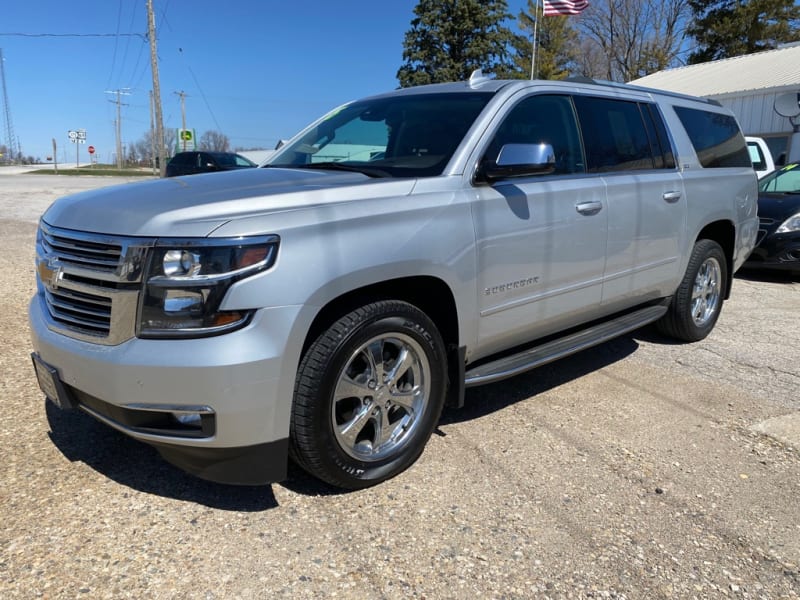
(369, 392)
(697, 303)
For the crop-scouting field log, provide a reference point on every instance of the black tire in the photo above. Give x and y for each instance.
(346, 402)
(697, 303)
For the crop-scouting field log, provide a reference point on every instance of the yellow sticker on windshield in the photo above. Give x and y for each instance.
(789, 167)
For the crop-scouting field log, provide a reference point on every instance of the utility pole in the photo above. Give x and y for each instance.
(182, 95)
(151, 33)
(152, 135)
(120, 157)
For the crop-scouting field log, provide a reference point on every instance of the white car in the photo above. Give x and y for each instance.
(760, 155)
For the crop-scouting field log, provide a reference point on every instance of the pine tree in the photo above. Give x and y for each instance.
(449, 39)
(726, 28)
(557, 45)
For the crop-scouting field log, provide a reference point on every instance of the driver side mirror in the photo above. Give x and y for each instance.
(518, 160)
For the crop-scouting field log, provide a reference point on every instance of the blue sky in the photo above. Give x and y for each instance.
(256, 70)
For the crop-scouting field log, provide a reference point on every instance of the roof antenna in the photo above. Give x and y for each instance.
(477, 78)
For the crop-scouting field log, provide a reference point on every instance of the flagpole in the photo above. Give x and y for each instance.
(533, 51)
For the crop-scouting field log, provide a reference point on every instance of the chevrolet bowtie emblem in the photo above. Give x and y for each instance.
(49, 272)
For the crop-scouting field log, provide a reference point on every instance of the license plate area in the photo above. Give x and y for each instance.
(50, 383)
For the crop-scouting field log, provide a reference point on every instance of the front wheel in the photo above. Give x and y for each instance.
(368, 394)
(697, 303)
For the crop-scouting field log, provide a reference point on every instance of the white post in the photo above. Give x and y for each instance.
(533, 50)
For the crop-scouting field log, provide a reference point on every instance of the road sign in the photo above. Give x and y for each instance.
(77, 135)
(91, 149)
(185, 140)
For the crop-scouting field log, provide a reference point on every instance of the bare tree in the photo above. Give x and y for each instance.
(133, 155)
(214, 141)
(591, 61)
(144, 145)
(632, 38)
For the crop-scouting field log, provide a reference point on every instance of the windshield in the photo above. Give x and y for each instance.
(395, 136)
(785, 180)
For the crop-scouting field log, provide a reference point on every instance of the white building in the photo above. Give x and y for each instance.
(747, 85)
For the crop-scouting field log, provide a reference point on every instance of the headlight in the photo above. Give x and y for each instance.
(186, 281)
(790, 224)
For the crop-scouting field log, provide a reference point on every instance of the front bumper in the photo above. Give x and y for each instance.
(242, 383)
(780, 251)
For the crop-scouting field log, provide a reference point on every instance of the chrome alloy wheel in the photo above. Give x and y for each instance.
(706, 292)
(380, 397)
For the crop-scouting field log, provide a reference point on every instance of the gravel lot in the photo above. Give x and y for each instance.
(639, 469)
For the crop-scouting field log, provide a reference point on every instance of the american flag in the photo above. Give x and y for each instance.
(553, 8)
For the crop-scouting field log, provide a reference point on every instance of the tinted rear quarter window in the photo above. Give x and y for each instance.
(182, 158)
(659, 139)
(716, 138)
(614, 134)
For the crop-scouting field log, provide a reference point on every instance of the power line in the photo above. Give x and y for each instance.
(202, 93)
(79, 35)
(203, 96)
(128, 41)
(116, 43)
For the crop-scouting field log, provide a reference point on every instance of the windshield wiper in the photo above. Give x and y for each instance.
(337, 166)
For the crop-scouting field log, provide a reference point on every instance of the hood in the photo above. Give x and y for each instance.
(778, 207)
(196, 205)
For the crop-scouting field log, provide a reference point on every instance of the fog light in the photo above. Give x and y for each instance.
(189, 419)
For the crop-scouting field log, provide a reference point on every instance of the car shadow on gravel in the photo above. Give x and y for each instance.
(138, 466)
(768, 276)
(483, 400)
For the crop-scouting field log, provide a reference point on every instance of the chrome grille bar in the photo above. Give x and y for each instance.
(84, 253)
(95, 321)
(90, 283)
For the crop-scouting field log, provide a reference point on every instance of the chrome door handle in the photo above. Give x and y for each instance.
(672, 197)
(589, 208)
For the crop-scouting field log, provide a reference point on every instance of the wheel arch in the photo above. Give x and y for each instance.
(724, 233)
(430, 294)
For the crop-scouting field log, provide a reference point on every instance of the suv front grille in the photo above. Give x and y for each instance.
(80, 310)
(90, 283)
(83, 253)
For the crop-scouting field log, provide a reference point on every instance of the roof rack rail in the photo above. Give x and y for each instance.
(628, 86)
(581, 79)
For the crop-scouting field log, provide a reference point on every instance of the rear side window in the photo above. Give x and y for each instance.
(659, 139)
(183, 158)
(757, 156)
(716, 138)
(614, 135)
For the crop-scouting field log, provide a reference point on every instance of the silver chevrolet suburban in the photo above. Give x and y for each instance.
(402, 248)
